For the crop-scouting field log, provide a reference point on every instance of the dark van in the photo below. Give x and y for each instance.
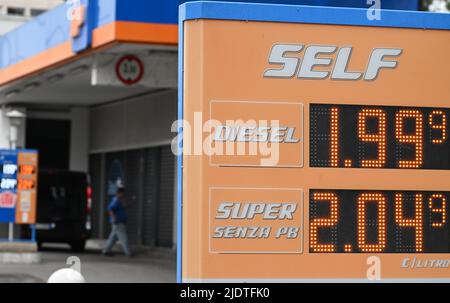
(63, 209)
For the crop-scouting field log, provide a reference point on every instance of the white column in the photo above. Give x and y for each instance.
(4, 144)
(17, 134)
(4, 130)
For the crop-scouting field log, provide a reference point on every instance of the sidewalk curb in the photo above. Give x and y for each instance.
(20, 258)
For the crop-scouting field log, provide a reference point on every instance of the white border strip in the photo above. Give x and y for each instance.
(251, 280)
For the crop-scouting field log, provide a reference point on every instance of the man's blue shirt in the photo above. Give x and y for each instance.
(119, 211)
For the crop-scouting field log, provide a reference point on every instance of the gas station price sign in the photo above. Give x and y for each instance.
(343, 126)
(18, 186)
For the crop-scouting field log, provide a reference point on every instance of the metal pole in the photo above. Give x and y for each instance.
(10, 232)
(13, 141)
(33, 233)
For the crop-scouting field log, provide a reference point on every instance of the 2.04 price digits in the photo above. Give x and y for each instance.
(378, 222)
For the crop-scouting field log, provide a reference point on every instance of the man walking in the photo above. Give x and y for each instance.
(118, 220)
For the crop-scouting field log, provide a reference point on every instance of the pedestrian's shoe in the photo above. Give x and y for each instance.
(108, 254)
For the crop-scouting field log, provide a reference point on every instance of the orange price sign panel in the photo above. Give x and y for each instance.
(27, 187)
(315, 144)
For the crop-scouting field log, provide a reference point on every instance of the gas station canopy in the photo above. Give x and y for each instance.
(67, 55)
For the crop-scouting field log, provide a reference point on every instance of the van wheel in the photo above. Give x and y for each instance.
(78, 246)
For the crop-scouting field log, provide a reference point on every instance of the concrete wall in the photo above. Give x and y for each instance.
(79, 141)
(135, 123)
(29, 4)
(8, 23)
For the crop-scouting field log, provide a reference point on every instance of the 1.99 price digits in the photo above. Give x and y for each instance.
(379, 137)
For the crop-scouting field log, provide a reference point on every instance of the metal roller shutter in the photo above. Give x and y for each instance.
(151, 196)
(115, 168)
(95, 171)
(148, 175)
(166, 196)
(134, 169)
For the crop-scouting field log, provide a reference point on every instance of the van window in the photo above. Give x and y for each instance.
(61, 197)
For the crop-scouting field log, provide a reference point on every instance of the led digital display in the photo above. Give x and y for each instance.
(9, 169)
(8, 172)
(24, 180)
(26, 184)
(353, 136)
(359, 221)
(27, 169)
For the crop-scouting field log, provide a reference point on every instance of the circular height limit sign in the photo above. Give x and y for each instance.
(130, 69)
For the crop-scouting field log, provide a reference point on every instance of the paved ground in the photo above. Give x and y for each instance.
(144, 267)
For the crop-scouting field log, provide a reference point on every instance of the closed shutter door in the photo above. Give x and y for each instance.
(115, 169)
(166, 196)
(148, 176)
(95, 171)
(133, 192)
(151, 197)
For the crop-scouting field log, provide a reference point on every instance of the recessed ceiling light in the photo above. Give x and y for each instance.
(12, 93)
(31, 86)
(78, 70)
(55, 78)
